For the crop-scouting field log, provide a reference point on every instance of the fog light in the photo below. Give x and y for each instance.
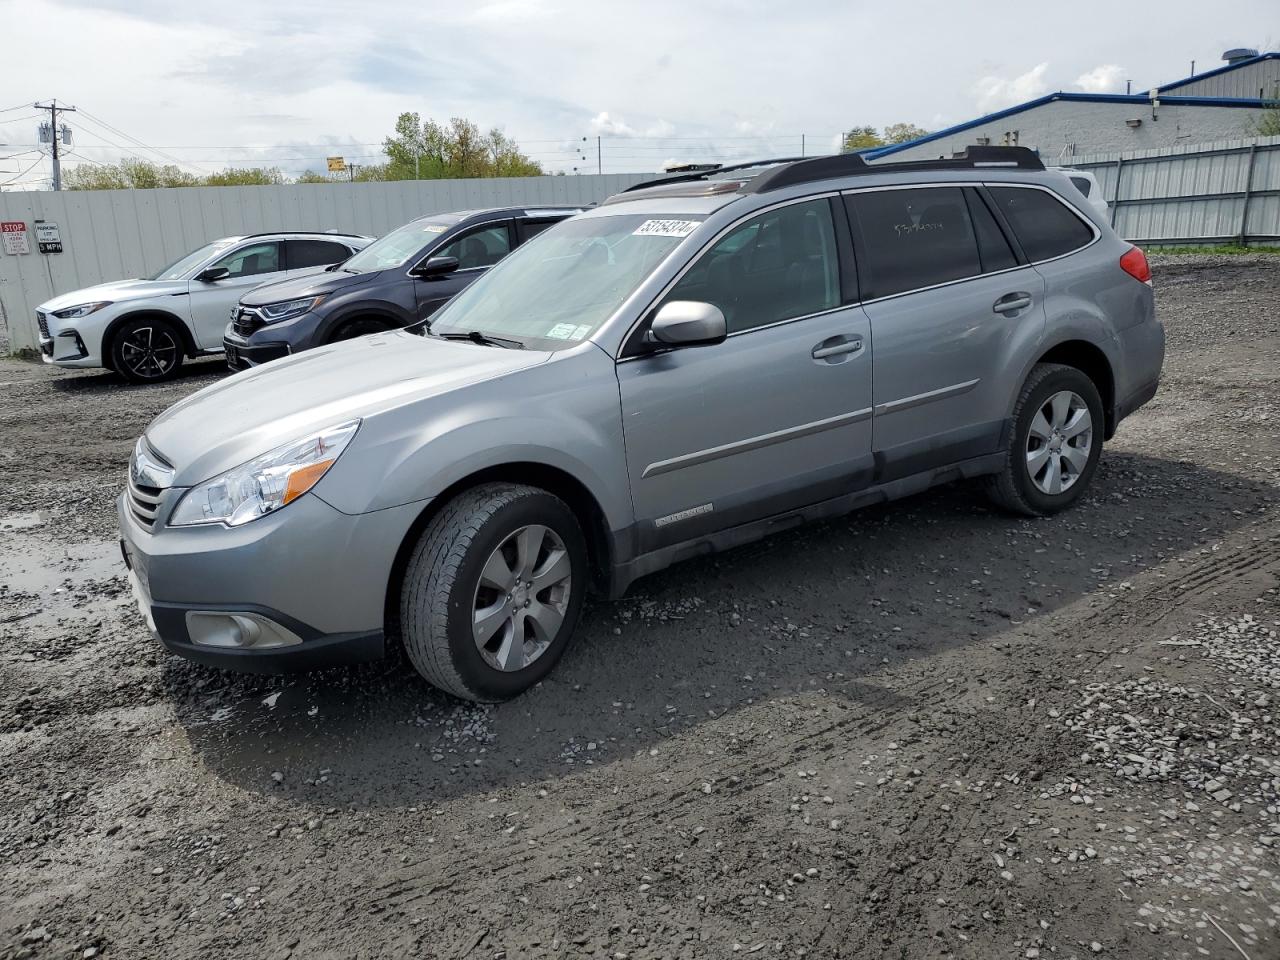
(217, 628)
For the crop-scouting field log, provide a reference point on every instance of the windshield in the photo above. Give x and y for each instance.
(180, 268)
(394, 249)
(557, 289)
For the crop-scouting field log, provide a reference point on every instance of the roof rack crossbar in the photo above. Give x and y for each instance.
(850, 164)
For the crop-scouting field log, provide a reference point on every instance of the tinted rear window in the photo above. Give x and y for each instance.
(992, 245)
(313, 253)
(1043, 224)
(913, 238)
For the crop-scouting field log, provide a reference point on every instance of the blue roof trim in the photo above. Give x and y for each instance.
(1136, 99)
(1227, 68)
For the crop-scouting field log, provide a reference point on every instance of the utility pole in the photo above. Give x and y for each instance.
(55, 135)
(599, 157)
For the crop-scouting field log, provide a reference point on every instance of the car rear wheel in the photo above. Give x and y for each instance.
(1058, 425)
(493, 591)
(147, 350)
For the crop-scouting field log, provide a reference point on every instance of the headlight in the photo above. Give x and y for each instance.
(82, 310)
(266, 483)
(287, 309)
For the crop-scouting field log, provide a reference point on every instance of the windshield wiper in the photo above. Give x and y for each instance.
(475, 336)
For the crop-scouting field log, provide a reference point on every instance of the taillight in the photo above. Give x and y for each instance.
(1134, 263)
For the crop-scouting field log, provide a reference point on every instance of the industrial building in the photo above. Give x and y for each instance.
(1219, 104)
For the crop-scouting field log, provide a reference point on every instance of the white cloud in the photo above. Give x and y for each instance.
(604, 125)
(1107, 78)
(996, 93)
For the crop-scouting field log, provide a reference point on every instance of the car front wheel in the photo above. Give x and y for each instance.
(1058, 426)
(146, 350)
(493, 591)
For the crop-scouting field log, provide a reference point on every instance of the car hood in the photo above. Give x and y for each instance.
(115, 292)
(250, 413)
(311, 285)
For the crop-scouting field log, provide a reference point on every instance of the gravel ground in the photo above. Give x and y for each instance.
(926, 730)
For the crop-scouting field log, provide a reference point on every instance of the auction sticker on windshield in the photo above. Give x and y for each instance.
(568, 331)
(666, 228)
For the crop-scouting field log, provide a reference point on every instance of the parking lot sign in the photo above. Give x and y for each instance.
(48, 238)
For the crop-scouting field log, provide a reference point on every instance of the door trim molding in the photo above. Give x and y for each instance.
(916, 400)
(755, 443)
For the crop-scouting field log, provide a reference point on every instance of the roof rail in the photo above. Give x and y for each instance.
(849, 164)
(314, 233)
(707, 174)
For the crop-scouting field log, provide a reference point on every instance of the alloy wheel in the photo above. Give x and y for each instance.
(1059, 442)
(522, 597)
(149, 352)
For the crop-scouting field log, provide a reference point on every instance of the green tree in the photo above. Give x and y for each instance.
(134, 174)
(430, 151)
(1267, 123)
(860, 138)
(128, 174)
(902, 132)
(245, 177)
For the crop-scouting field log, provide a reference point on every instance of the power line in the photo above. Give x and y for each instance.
(102, 123)
(21, 106)
(23, 173)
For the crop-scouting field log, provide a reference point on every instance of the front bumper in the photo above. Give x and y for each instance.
(241, 354)
(249, 342)
(308, 571)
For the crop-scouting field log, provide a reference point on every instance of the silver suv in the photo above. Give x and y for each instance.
(685, 368)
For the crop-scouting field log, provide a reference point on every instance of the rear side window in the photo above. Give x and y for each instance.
(777, 266)
(1043, 224)
(993, 248)
(913, 238)
(1082, 184)
(528, 229)
(313, 253)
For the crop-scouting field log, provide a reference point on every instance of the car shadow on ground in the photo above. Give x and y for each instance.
(189, 376)
(825, 607)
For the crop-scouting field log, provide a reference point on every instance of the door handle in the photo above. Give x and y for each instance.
(1011, 302)
(821, 352)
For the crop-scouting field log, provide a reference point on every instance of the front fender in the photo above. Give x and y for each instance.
(563, 414)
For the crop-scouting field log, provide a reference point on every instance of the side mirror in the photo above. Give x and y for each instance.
(213, 274)
(687, 323)
(435, 268)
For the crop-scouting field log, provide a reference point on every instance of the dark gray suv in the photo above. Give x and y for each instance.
(687, 367)
(397, 280)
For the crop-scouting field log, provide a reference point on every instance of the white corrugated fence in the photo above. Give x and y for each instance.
(1205, 193)
(116, 234)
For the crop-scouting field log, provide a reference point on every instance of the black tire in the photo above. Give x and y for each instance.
(147, 350)
(1013, 488)
(442, 586)
(359, 327)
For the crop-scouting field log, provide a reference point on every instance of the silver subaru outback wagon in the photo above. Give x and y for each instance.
(689, 365)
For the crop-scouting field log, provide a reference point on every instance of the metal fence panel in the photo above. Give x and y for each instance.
(1226, 191)
(113, 234)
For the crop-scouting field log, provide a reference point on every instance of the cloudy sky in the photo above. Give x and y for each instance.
(287, 83)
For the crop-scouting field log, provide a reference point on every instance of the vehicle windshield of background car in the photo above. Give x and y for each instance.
(395, 249)
(557, 289)
(181, 267)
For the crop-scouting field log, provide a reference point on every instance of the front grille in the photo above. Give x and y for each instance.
(144, 502)
(246, 322)
(42, 321)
